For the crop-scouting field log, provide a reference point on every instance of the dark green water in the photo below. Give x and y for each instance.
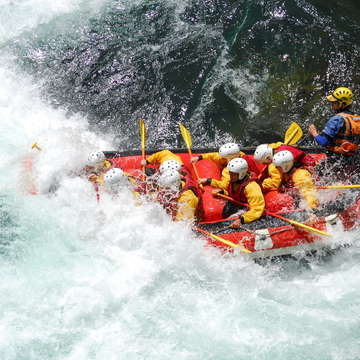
(240, 68)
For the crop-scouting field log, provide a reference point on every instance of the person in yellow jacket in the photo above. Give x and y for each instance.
(97, 166)
(243, 187)
(270, 177)
(178, 195)
(160, 157)
(297, 177)
(226, 153)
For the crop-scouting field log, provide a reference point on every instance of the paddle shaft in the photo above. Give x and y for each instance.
(339, 187)
(224, 241)
(293, 222)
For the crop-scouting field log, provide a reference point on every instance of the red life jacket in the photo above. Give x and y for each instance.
(239, 194)
(169, 199)
(253, 167)
(297, 153)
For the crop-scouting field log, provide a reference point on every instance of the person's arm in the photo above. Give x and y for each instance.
(331, 129)
(272, 182)
(256, 201)
(224, 182)
(187, 205)
(161, 156)
(304, 183)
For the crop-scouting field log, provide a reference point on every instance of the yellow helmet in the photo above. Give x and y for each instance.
(342, 95)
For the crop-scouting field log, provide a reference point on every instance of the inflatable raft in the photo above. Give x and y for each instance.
(268, 236)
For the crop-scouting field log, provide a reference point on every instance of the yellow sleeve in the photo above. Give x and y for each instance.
(187, 205)
(272, 182)
(224, 182)
(276, 145)
(161, 156)
(304, 183)
(214, 156)
(255, 199)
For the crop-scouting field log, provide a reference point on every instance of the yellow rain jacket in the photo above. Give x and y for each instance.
(97, 175)
(249, 192)
(255, 199)
(187, 205)
(224, 182)
(272, 179)
(159, 157)
(302, 180)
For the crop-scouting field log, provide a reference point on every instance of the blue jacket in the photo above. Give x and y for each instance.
(332, 128)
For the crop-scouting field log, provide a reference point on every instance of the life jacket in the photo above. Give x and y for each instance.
(348, 139)
(169, 199)
(287, 182)
(239, 194)
(297, 153)
(264, 173)
(253, 167)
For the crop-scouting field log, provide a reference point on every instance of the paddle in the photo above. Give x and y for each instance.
(224, 241)
(293, 134)
(143, 138)
(187, 138)
(293, 222)
(339, 187)
(36, 146)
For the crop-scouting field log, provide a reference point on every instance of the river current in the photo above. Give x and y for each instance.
(81, 280)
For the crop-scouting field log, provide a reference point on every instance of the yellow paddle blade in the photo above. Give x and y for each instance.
(309, 228)
(36, 146)
(293, 134)
(142, 133)
(226, 242)
(339, 187)
(186, 135)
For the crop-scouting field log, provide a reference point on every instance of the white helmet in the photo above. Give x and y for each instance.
(170, 179)
(169, 165)
(284, 160)
(263, 154)
(229, 149)
(238, 166)
(96, 158)
(113, 176)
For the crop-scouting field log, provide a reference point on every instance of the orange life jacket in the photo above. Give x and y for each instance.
(347, 141)
(239, 194)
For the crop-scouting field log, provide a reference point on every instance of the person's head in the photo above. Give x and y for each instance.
(340, 98)
(238, 169)
(284, 160)
(96, 158)
(113, 177)
(170, 180)
(229, 151)
(263, 154)
(169, 165)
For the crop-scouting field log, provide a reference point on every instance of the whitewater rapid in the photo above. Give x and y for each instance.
(81, 280)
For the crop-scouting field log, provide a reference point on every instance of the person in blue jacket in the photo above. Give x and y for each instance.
(341, 134)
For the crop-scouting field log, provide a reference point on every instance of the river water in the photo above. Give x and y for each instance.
(81, 280)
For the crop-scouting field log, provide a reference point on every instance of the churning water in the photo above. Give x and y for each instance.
(81, 280)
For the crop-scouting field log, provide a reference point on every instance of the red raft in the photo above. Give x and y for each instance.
(268, 236)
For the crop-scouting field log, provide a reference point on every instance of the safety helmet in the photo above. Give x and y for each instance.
(170, 179)
(284, 160)
(169, 165)
(229, 149)
(238, 166)
(113, 176)
(96, 158)
(343, 95)
(263, 154)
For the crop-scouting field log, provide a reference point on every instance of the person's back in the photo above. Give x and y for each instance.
(296, 176)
